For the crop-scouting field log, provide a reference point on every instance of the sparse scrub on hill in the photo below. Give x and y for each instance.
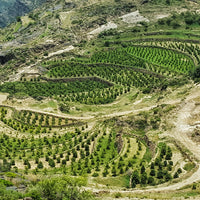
(184, 19)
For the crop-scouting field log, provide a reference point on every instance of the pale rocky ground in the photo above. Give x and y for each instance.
(133, 18)
(108, 26)
(160, 16)
(3, 97)
(69, 48)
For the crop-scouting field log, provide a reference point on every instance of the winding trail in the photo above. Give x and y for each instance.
(182, 128)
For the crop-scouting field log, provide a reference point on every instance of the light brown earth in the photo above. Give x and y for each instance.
(3, 97)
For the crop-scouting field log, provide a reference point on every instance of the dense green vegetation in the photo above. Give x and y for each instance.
(130, 66)
(74, 153)
(121, 75)
(49, 89)
(158, 172)
(60, 188)
(165, 58)
(135, 66)
(185, 19)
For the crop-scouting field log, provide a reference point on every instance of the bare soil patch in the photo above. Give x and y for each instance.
(3, 97)
(133, 18)
(108, 26)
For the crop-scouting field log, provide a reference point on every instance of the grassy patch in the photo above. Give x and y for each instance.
(17, 27)
(189, 166)
(148, 155)
(26, 20)
(49, 104)
(120, 181)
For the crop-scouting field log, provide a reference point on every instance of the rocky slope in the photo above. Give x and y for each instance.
(10, 9)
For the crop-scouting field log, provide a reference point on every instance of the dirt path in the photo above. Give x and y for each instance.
(181, 130)
(181, 125)
(118, 114)
(69, 48)
(132, 110)
(56, 115)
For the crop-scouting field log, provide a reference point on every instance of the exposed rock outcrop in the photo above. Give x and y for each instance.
(5, 57)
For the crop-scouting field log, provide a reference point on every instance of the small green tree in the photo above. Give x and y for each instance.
(152, 172)
(106, 44)
(151, 180)
(176, 175)
(143, 178)
(51, 163)
(142, 169)
(194, 186)
(136, 177)
(40, 165)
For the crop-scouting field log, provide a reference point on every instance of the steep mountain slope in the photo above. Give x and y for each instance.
(11, 9)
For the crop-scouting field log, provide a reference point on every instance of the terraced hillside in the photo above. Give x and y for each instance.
(114, 115)
(125, 92)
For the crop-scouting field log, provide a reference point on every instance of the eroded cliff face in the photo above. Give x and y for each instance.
(10, 9)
